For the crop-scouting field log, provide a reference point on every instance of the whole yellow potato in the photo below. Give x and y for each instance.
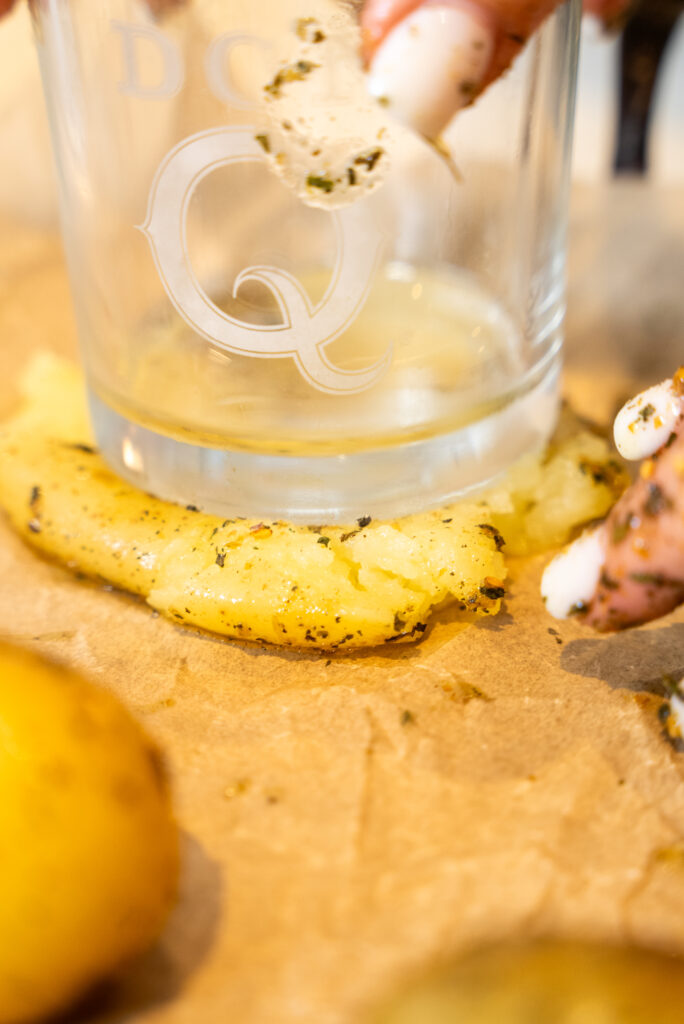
(88, 846)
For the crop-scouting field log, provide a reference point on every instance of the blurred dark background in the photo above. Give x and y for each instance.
(644, 45)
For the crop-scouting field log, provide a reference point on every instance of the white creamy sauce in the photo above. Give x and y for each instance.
(572, 577)
(645, 423)
(430, 66)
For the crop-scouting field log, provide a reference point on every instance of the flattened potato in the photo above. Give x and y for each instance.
(545, 982)
(326, 587)
(332, 587)
(543, 501)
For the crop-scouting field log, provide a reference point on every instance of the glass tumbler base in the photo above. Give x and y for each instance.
(383, 483)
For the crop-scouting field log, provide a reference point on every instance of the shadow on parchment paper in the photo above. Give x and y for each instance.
(496, 623)
(158, 976)
(634, 660)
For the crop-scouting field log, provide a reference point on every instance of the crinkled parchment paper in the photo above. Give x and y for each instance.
(349, 818)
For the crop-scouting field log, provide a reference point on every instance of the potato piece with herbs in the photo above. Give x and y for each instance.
(542, 501)
(88, 846)
(369, 583)
(326, 587)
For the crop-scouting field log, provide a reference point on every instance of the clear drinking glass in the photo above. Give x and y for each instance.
(288, 304)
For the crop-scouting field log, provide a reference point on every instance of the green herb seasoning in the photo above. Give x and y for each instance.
(656, 502)
(35, 507)
(491, 531)
(309, 31)
(654, 579)
(608, 582)
(87, 449)
(296, 72)
(369, 159)
(321, 183)
(609, 473)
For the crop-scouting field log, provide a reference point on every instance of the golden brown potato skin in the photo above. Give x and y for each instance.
(88, 846)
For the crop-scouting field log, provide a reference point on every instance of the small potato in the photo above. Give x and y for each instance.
(88, 846)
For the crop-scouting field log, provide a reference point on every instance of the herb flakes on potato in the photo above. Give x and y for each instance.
(353, 586)
(542, 502)
(327, 587)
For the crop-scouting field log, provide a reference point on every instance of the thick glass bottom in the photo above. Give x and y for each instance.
(381, 482)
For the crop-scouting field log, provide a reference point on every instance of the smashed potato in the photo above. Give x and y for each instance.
(325, 587)
(543, 501)
(543, 982)
(88, 846)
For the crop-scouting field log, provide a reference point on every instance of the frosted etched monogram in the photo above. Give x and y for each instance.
(306, 329)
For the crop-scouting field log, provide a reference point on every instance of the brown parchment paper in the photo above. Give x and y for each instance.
(347, 819)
